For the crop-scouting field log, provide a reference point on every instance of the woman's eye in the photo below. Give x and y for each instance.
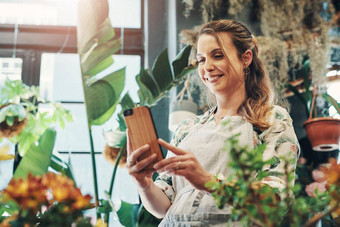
(200, 60)
(219, 56)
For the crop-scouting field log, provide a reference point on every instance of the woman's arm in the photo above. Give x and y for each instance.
(154, 200)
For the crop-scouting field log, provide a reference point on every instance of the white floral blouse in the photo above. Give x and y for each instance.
(202, 136)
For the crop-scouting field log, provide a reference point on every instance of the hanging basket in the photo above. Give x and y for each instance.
(322, 132)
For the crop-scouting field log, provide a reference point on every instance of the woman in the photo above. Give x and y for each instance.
(229, 66)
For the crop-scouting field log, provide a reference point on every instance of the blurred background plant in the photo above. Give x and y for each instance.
(23, 118)
(254, 202)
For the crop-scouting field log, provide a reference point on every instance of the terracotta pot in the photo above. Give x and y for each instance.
(323, 133)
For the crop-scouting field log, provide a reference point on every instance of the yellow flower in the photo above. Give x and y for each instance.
(4, 155)
(100, 223)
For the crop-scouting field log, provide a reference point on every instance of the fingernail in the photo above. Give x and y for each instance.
(156, 166)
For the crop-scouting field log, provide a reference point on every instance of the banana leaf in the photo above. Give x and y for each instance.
(96, 45)
(103, 96)
(38, 157)
(153, 87)
(92, 18)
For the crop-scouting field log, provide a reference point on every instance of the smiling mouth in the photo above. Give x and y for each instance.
(213, 78)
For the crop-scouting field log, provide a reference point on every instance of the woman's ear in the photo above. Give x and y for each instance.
(247, 57)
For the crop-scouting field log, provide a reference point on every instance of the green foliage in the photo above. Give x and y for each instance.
(153, 86)
(131, 215)
(10, 112)
(96, 45)
(38, 157)
(254, 202)
(21, 101)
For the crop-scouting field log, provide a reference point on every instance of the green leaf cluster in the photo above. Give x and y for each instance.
(256, 203)
(19, 101)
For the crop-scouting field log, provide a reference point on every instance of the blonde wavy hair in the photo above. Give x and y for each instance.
(258, 104)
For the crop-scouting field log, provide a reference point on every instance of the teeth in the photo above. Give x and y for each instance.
(213, 78)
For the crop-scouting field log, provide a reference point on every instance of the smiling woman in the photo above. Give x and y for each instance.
(228, 65)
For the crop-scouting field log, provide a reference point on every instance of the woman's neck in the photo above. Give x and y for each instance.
(229, 105)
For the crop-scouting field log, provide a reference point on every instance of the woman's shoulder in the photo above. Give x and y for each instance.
(279, 113)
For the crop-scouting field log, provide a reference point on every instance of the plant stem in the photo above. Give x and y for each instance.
(107, 215)
(318, 216)
(94, 169)
(259, 207)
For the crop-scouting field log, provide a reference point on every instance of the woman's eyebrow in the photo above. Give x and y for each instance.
(211, 52)
(215, 50)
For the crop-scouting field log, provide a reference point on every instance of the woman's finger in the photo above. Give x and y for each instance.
(171, 148)
(134, 156)
(138, 166)
(128, 141)
(173, 165)
(166, 162)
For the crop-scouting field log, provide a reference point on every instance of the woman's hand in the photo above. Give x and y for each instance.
(136, 167)
(184, 164)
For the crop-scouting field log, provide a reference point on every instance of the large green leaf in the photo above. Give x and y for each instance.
(145, 219)
(128, 214)
(148, 89)
(103, 96)
(38, 157)
(152, 88)
(181, 61)
(127, 102)
(161, 71)
(92, 18)
(97, 58)
(101, 66)
(332, 101)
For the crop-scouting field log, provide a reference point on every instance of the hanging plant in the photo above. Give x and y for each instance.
(273, 50)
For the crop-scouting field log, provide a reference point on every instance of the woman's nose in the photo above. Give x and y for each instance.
(209, 65)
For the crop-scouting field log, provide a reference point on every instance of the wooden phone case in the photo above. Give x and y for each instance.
(142, 131)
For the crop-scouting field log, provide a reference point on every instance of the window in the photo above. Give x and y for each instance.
(62, 12)
(46, 55)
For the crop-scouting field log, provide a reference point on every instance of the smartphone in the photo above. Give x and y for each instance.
(142, 131)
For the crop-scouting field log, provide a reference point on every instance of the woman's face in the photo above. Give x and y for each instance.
(221, 76)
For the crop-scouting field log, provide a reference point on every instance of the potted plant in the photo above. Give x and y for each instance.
(323, 130)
